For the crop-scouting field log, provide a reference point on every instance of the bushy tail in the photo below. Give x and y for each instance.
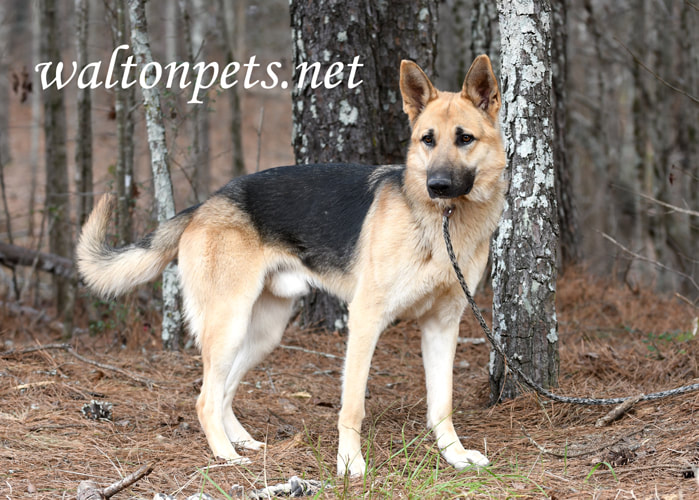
(112, 271)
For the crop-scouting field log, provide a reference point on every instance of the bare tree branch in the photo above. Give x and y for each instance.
(124, 483)
(69, 349)
(656, 75)
(651, 261)
(686, 211)
(89, 490)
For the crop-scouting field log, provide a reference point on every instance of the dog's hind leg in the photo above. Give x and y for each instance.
(222, 340)
(222, 272)
(270, 316)
(440, 330)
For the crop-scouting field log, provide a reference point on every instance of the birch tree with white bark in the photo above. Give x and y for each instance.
(164, 200)
(525, 250)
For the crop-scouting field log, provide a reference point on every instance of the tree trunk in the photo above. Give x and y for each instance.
(226, 21)
(641, 110)
(4, 84)
(5, 218)
(201, 173)
(83, 139)
(364, 125)
(671, 144)
(485, 34)
(403, 30)
(565, 197)
(123, 103)
(524, 269)
(35, 135)
(172, 27)
(686, 174)
(597, 136)
(56, 164)
(165, 204)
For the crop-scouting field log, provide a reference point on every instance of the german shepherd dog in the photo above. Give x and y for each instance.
(370, 235)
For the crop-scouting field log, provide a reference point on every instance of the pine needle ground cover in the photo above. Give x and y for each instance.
(613, 342)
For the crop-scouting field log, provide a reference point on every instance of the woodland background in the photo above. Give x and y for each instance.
(628, 75)
(630, 127)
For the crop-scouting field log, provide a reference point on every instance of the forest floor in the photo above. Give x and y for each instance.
(612, 342)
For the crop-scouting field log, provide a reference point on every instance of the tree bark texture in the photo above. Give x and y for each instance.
(4, 83)
(35, 135)
(565, 197)
(686, 172)
(485, 34)
(201, 173)
(123, 103)
(5, 217)
(671, 141)
(365, 124)
(56, 163)
(524, 269)
(226, 21)
(83, 139)
(165, 204)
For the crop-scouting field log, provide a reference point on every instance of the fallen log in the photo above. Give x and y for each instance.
(14, 255)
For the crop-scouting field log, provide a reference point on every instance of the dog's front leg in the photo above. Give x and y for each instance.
(365, 325)
(440, 330)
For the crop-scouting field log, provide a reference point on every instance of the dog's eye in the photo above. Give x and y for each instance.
(428, 139)
(466, 138)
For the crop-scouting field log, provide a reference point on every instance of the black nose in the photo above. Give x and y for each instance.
(439, 185)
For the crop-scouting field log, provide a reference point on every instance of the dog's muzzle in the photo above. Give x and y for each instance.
(450, 184)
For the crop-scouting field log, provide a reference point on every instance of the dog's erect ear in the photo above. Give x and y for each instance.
(481, 88)
(416, 88)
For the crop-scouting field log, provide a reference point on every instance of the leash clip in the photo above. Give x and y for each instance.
(448, 212)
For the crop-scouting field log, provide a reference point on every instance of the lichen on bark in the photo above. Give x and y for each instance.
(525, 249)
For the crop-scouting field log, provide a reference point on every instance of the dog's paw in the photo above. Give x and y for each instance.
(239, 460)
(354, 467)
(462, 459)
(233, 459)
(230, 456)
(251, 444)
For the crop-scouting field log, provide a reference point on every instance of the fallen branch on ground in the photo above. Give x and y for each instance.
(618, 411)
(20, 310)
(89, 490)
(69, 349)
(567, 453)
(310, 351)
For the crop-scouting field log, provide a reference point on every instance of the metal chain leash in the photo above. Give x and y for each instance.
(515, 370)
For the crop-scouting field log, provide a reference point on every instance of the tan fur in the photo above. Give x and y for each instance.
(238, 290)
(109, 273)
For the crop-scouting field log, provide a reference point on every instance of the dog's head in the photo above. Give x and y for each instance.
(456, 142)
